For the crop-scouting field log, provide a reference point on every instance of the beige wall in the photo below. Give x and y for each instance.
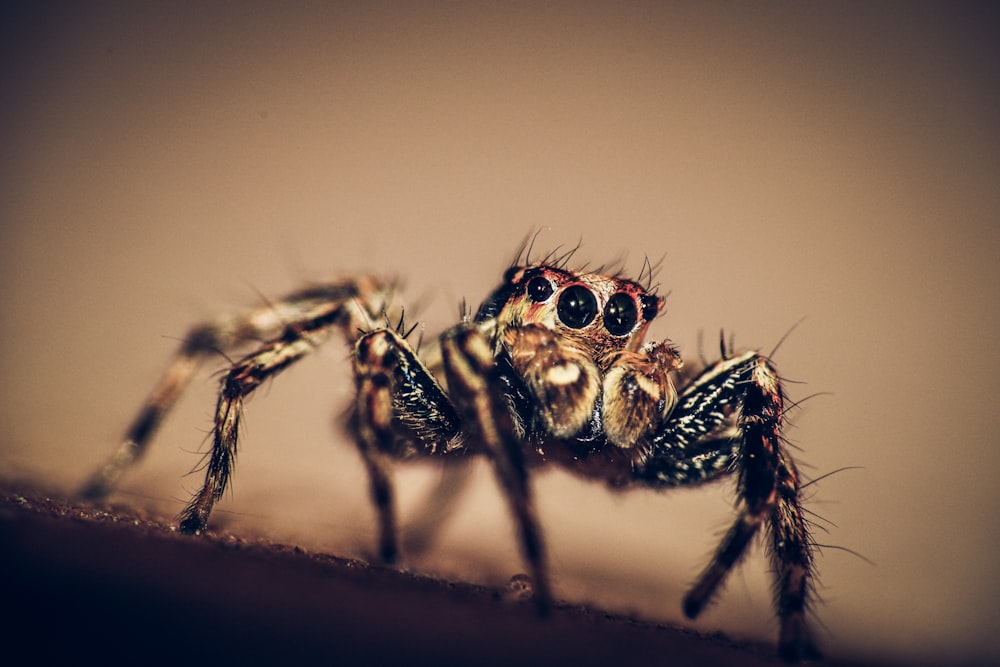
(838, 164)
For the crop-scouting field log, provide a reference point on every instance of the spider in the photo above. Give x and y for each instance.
(551, 369)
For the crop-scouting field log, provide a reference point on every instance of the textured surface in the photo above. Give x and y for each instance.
(108, 585)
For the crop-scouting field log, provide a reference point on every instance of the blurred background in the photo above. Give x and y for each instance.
(835, 164)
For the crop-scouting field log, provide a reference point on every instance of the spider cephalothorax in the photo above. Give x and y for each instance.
(574, 339)
(552, 369)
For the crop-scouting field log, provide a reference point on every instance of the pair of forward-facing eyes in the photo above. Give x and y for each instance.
(577, 306)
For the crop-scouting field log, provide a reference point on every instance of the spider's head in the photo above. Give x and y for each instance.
(601, 314)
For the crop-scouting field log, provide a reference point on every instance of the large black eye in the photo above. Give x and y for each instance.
(620, 315)
(577, 307)
(539, 289)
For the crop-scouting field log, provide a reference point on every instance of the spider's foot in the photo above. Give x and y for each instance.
(796, 642)
(388, 554)
(95, 489)
(193, 520)
(697, 598)
(543, 604)
(191, 526)
(104, 480)
(542, 596)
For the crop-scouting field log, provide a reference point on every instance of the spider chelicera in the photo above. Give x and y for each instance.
(551, 369)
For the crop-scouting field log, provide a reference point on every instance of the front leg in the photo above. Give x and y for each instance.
(476, 387)
(698, 442)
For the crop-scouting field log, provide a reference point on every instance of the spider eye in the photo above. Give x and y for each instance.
(650, 307)
(620, 315)
(539, 289)
(577, 307)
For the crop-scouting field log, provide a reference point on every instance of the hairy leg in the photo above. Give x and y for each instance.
(297, 339)
(688, 449)
(475, 386)
(401, 411)
(224, 336)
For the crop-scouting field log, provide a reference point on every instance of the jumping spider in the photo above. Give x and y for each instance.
(552, 368)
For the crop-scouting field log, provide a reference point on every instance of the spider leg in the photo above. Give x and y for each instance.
(401, 411)
(374, 436)
(198, 344)
(424, 528)
(223, 336)
(792, 560)
(297, 339)
(474, 383)
(697, 443)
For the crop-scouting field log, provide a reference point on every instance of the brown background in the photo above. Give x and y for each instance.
(789, 161)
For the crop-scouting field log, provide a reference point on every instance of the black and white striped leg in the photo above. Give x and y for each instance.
(688, 449)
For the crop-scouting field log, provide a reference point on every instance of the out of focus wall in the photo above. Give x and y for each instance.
(785, 161)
